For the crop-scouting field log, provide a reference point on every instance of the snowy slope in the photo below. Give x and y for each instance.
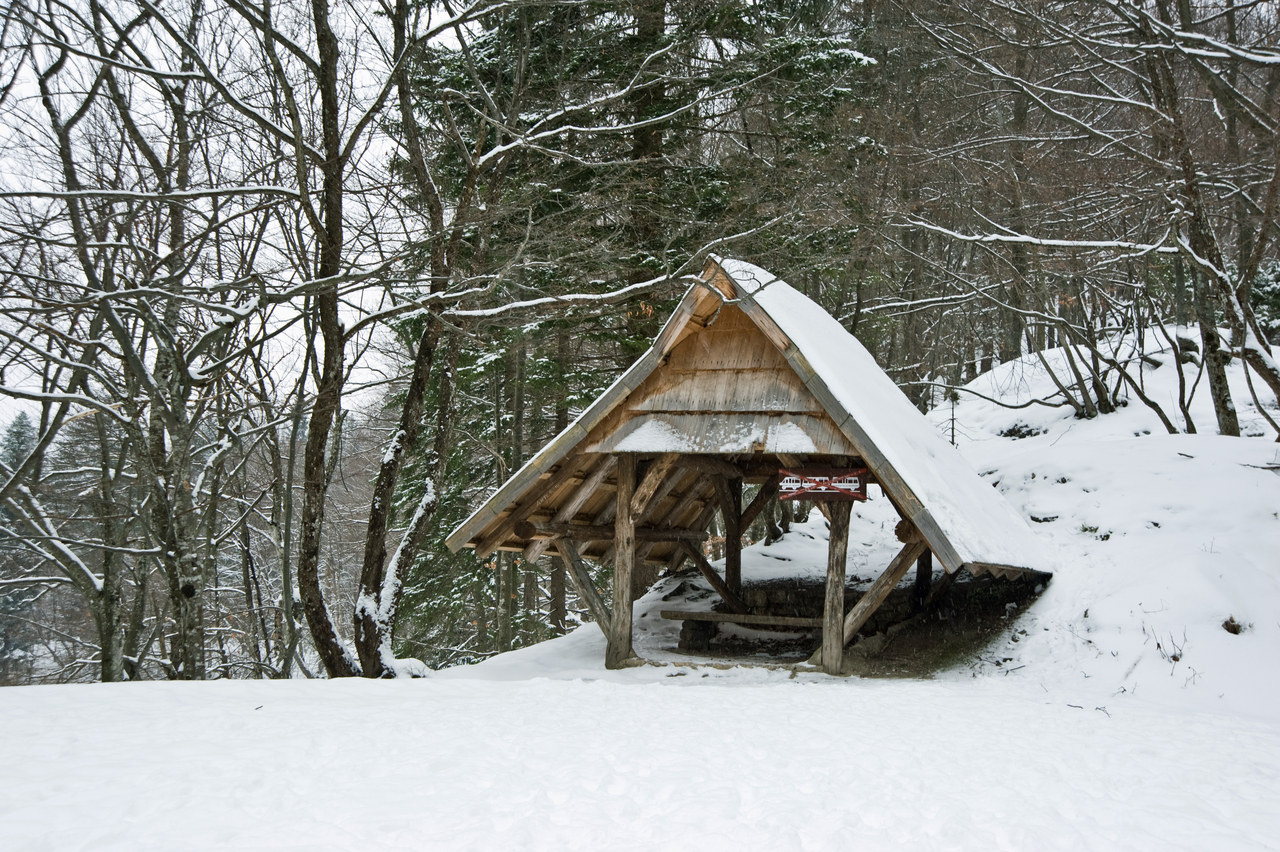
(1090, 737)
(1162, 538)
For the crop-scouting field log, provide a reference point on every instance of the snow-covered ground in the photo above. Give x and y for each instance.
(1125, 716)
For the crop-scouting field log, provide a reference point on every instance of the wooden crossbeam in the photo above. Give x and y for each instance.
(574, 504)
(530, 531)
(880, 589)
(712, 466)
(730, 597)
(732, 618)
(582, 584)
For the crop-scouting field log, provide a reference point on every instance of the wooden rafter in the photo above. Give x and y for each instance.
(572, 506)
(532, 500)
(653, 478)
(600, 532)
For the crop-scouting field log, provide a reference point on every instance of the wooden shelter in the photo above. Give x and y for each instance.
(747, 377)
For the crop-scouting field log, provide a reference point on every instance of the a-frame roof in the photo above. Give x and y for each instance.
(750, 370)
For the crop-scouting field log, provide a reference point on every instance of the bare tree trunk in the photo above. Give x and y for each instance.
(1214, 358)
(334, 655)
(372, 627)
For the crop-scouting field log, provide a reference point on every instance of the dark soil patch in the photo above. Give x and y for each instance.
(961, 623)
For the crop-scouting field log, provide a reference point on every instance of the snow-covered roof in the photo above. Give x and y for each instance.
(965, 521)
(958, 511)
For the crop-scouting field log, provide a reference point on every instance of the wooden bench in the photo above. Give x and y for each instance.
(732, 618)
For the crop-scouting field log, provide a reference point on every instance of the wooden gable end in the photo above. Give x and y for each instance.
(724, 388)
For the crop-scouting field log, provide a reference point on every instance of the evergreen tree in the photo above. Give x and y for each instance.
(660, 127)
(19, 440)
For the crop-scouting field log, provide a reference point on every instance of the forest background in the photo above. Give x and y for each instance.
(289, 287)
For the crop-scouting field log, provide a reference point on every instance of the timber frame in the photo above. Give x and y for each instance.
(723, 399)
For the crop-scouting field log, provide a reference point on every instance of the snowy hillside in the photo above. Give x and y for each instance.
(1113, 712)
(1161, 538)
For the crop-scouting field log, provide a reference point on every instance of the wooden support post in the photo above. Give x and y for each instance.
(624, 557)
(730, 493)
(924, 579)
(880, 589)
(583, 586)
(833, 612)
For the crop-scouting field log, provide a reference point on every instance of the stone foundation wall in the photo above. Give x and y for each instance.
(792, 597)
(806, 600)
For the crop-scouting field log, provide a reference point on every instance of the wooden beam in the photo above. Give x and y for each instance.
(652, 479)
(767, 491)
(673, 478)
(703, 520)
(731, 618)
(599, 532)
(880, 589)
(730, 597)
(572, 506)
(582, 584)
(533, 499)
(682, 505)
(624, 556)
(668, 520)
(924, 579)
(833, 610)
(711, 466)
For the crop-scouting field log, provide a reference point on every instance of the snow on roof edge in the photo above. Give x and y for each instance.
(977, 521)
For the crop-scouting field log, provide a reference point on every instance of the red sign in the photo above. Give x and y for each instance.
(823, 484)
